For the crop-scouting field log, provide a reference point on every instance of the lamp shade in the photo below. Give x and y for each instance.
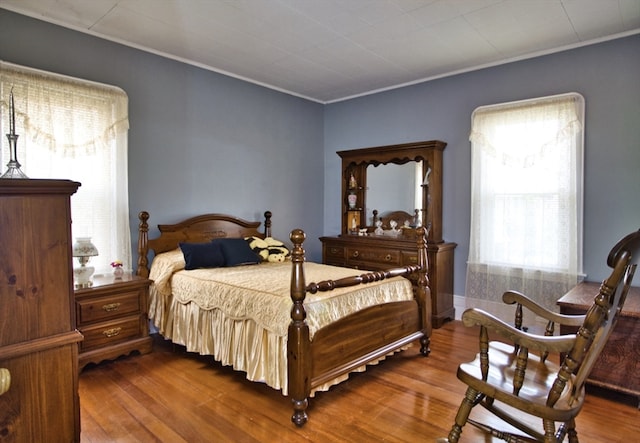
(84, 248)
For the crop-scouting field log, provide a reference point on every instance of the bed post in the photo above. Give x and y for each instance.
(298, 344)
(143, 238)
(423, 293)
(267, 224)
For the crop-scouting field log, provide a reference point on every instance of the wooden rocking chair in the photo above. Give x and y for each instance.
(516, 386)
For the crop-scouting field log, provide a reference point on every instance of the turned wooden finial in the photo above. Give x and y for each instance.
(143, 238)
(297, 237)
(298, 289)
(267, 223)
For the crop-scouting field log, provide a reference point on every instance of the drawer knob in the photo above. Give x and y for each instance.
(388, 257)
(111, 307)
(5, 380)
(112, 332)
(356, 253)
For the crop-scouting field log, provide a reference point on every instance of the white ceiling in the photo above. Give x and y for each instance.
(329, 50)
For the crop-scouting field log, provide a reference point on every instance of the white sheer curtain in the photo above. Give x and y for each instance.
(75, 129)
(526, 199)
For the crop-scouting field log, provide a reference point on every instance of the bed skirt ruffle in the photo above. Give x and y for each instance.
(240, 343)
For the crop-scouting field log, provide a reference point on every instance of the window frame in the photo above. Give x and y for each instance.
(579, 157)
(42, 102)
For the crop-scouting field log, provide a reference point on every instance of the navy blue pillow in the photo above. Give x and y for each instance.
(202, 255)
(237, 251)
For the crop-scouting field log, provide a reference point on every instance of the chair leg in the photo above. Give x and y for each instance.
(471, 398)
(549, 431)
(571, 431)
(565, 429)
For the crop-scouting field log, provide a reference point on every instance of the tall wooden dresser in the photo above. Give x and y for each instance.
(38, 336)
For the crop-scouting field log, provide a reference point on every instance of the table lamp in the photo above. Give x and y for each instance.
(83, 249)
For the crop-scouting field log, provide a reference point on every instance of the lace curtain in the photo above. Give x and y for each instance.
(74, 129)
(526, 199)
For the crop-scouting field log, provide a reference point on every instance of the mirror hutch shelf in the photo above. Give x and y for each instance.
(373, 238)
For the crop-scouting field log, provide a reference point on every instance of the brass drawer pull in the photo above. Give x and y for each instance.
(388, 257)
(5, 380)
(356, 253)
(111, 307)
(112, 332)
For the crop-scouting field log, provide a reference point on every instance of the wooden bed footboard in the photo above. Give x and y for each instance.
(357, 339)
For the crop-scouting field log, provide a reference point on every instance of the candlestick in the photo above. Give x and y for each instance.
(12, 115)
(13, 167)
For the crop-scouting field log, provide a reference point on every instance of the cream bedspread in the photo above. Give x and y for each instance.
(240, 315)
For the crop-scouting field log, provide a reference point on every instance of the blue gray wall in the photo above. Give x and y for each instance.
(199, 141)
(606, 74)
(203, 142)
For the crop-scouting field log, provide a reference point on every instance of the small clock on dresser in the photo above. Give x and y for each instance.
(112, 317)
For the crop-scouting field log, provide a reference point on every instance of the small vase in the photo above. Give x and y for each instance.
(118, 272)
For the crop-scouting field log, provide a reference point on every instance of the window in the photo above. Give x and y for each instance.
(74, 129)
(526, 198)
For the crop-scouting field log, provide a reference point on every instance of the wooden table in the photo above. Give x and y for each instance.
(618, 367)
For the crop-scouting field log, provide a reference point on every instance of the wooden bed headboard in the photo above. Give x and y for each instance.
(199, 229)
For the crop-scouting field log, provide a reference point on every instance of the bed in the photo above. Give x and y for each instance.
(294, 336)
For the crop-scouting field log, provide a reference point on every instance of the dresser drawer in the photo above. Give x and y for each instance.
(104, 308)
(334, 253)
(409, 258)
(386, 258)
(108, 333)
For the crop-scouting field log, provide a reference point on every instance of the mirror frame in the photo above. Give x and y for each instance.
(355, 162)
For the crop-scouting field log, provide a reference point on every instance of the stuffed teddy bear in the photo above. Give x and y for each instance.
(259, 246)
(277, 254)
(269, 249)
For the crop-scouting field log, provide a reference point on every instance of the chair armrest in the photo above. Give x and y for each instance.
(478, 317)
(512, 297)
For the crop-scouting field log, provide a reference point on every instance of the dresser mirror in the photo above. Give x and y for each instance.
(394, 187)
(387, 182)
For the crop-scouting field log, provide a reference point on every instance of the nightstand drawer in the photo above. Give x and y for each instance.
(108, 333)
(104, 308)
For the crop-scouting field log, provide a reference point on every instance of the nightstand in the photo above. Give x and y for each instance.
(112, 316)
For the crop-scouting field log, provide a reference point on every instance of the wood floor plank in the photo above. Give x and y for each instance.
(173, 396)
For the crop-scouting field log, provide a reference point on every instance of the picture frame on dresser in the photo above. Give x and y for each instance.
(383, 235)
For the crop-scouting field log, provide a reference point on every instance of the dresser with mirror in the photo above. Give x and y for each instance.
(387, 193)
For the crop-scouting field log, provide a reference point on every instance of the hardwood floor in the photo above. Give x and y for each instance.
(172, 396)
